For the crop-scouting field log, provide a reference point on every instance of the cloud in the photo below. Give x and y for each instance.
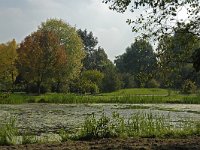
(20, 18)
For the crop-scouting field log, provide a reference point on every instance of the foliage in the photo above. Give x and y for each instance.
(139, 57)
(196, 59)
(111, 81)
(124, 96)
(152, 84)
(159, 18)
(96, 58)
(73, 49)
(8, 71)
(138, 125)
(175, 57)
(139, 60)
(128, 80)
(40, 55)
(189, 87)
(89, 82)
(83, 86)
(89, 41)
(93, 75)
(8, 132)
(94, 129)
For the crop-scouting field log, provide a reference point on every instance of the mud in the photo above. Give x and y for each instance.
(190, 143)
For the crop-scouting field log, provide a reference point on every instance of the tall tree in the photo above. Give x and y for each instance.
(73, 46)
(138, 60)
(8, 71)
(89, 41)
(96, 58)
(40, 56)
(139, 57)
(175, 56)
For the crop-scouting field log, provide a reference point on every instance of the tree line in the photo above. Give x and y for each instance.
(59, 58)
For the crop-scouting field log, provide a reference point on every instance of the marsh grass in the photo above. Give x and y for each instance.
(138, 125)
(128, 96)
(17, 98)
(8, 132)
(141, 91)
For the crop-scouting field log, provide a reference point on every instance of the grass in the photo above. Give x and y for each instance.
(8, 132)
(141, 91)
(142, 125)
(138, 125)
(131, 96)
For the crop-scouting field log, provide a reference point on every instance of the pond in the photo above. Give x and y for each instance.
(50, 118)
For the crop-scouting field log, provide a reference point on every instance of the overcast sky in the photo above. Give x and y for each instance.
(21, 17)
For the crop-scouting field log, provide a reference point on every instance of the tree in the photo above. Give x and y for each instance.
(8, 71)
(94, 76)
(90, 81)
(111, 81)
(40, 55)
(158, 18)
(96, 58)
(175, 57)
(196, 59)
(89, 41)
(73, 47)
(139, 60)
(99, 60)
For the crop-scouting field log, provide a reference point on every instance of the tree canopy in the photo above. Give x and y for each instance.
(40, 54)
(96, 58)
(54, 52)
(8, 56)
(159, 17)
(139, 57)
(72, 44)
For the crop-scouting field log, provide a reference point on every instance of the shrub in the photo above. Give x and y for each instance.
(152, 84)
(189, 87)
(95, 128)
(84, 86)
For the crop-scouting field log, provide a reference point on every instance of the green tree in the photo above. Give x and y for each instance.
(73, 47)
(8, 71)
(39, 57)
(96, 58)
(90, 81)
(89, 41)
(139, 60)
(139, 57)
(157, 18)
(111, 81)
(94, 76)
(175, 57)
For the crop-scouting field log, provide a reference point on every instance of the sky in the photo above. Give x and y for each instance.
(20, 18)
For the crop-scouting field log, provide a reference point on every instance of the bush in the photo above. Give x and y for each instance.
(152, 84)
(84, 86)
(189, 87)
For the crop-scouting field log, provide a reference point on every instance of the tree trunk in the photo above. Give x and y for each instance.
(39, 87)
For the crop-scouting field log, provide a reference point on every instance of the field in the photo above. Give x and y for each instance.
(132, 114)
(129, 96)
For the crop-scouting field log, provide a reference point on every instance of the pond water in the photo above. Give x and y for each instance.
(50, 118)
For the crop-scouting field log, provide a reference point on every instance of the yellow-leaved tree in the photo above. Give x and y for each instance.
(8, 71)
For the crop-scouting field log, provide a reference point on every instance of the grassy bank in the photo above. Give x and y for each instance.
(145, 125)
(131, 96)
